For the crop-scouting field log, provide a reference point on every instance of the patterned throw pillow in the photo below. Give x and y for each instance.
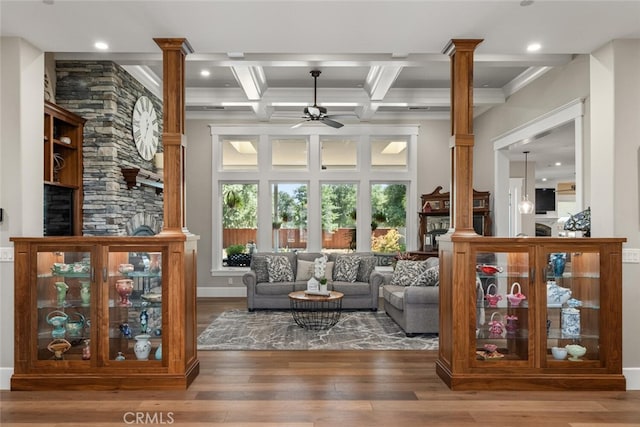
(429, 277)
(407, 272)
(279, 269)
(345, 268)
(259, 265)
(367, 265)
(304, 271)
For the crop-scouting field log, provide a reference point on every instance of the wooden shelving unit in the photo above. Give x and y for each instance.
(42, 317)
(63, 138)
(434, 218)
(523, 359)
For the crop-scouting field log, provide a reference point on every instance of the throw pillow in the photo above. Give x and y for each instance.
(345, 268)
(328, 271)
(428, 277)
(304, 271)
(279, 269)
(259, 265)
(367, 265)
(407, 272)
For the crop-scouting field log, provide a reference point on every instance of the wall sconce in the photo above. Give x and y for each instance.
(525, 206)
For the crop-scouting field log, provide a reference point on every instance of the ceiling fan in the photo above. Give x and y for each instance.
(316, 113)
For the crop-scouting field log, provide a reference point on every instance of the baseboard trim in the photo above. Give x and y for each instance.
(632, 376)
(221, 292)
(5, 378)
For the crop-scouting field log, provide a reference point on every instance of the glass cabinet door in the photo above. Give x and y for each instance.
(135, 305)
(502, 315)
(65, 307)
(573, 307)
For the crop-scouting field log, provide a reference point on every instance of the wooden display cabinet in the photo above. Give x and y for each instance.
(435, 219)
(63, 139)
(509, 346)
(74, 330)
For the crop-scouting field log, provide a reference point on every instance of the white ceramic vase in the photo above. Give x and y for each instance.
(142, 347)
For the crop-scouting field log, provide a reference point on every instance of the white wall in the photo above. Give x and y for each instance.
(21, 158)
(615, 98)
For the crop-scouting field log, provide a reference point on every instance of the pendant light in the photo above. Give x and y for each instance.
(525, 206)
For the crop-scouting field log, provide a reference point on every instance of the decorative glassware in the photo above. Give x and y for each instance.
(85, 293)
(124, 287)
(61, 291)
(57, 319)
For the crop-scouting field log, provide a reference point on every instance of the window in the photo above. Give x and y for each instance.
(289, 220)
(339, 153)
(239, 153)
(388, 152)
(339, 217)
(388, 218)
(239, 218)
(289, 153)
(313, 188)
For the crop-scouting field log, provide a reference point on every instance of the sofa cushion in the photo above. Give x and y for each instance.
(394, 295)
(279, 288)
(304, 271)
(352, 288)
(407, 272)
(428, 277)
(259, 265)
(367, 265)
(346, 268)
(279, 269)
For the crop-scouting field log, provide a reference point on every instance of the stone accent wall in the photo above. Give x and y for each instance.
(104, 93)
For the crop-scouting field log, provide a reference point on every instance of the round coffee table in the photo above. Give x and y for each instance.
(316, 312)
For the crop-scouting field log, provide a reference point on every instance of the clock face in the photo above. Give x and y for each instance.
(145, 128)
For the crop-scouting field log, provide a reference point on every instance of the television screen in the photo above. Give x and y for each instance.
(545, 200)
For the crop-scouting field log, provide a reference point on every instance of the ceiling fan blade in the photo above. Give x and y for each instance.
(297, 125)
(331, 123)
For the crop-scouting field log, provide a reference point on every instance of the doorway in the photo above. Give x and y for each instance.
(525, 138)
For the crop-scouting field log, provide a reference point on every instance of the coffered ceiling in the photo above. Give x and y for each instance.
(381, 61)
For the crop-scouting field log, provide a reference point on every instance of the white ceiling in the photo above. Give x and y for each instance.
(399, 42)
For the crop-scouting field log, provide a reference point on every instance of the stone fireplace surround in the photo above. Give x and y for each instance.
(104, 93)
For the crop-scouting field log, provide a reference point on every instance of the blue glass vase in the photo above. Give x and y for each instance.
(558, 262)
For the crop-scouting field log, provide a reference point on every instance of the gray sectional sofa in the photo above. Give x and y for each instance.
(414, 308)
(361, 294)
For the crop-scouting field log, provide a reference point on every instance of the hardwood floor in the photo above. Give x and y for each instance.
(316, 389)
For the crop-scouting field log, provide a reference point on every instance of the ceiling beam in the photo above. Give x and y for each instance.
(380, 79)
(251, 79)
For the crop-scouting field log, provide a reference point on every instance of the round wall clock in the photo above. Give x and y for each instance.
(145, 128)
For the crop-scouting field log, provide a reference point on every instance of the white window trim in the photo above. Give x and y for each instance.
(363, 175)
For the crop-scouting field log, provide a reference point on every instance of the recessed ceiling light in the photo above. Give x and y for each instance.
(558, 164)
(101, 45)
(544, 179)
(205, 73)
(534, 47)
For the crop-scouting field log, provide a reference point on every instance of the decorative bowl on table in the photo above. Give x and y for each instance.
(576, 351)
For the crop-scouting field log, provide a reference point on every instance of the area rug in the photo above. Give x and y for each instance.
(276, 330)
